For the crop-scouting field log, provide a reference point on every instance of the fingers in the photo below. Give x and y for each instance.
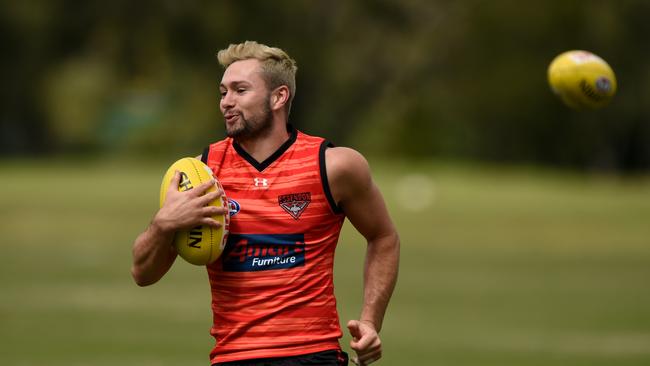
(213, 211)
(357, 361)
(353, 327)
(366, 345)
(202, 188)
(210, 222)
(363, 343)
(368, 358)
(362, 336)
(174, 182)
(209, 197)
(200, 191)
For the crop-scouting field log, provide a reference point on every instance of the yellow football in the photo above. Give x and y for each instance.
(582, 80)
(203, 244)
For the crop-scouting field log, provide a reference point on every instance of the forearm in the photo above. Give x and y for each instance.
(380, 276)
(153, 255)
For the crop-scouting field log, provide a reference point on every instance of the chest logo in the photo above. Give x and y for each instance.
(295, 203)
(233, 207)
(261, 182)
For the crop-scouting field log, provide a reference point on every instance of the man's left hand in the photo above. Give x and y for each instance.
(365, 342)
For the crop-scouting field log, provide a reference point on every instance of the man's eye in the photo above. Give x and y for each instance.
(241, 90)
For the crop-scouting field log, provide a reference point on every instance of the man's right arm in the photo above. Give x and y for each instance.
(153, 253)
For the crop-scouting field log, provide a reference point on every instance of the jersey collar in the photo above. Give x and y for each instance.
(293, 135)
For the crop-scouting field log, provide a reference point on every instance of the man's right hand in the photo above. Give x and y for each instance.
(184, 210)
(153, 253)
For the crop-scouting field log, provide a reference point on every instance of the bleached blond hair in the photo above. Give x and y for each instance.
(277, 67)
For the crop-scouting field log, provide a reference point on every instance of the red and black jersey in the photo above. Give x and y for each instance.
(272, 287)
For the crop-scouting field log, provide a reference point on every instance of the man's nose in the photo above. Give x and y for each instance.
(227, 100)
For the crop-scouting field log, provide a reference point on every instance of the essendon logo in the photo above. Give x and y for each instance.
(294, 203)
(262, 252)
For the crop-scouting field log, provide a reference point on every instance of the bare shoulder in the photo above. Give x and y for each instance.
(343, 162)
(348, 172)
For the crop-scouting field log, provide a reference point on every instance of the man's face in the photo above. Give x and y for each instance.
(245, 100)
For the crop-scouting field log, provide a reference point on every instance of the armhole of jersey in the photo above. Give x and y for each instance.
(204, 156)
(323, 176)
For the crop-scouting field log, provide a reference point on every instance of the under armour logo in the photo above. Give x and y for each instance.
(261, 182)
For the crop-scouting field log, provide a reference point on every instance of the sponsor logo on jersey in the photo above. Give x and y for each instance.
(233, 207)
(295, 203)
(261, 182)
(263, 252)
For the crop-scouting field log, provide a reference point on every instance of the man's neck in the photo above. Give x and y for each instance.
(262, 147)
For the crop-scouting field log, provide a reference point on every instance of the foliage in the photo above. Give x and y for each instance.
(409, 77)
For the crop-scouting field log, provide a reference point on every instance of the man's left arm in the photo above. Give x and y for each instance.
(356, 193)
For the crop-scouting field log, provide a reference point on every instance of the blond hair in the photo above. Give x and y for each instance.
(277, 67)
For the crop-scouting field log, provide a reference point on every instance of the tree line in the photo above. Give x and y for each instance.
(409, 78)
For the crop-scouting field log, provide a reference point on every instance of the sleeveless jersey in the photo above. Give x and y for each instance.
(272, 287)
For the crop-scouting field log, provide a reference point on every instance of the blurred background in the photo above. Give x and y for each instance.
(525, 225)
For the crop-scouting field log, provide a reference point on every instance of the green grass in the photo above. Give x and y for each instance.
(503, 267)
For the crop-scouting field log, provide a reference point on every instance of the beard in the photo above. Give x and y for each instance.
(253, 126)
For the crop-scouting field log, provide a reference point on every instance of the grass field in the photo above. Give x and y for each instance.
(499, 267)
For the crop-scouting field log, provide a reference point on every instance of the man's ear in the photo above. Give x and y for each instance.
(279, 97)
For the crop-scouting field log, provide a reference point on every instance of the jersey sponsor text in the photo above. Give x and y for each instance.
(261, 252)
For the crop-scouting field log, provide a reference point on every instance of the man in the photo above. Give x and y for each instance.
(272, 288)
